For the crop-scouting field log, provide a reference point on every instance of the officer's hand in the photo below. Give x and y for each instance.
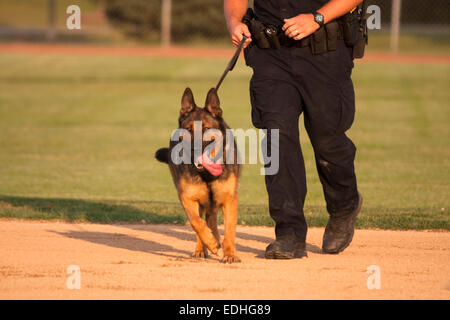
(236, 34)
(300, 26)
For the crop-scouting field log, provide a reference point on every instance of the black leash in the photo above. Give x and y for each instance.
(232, 62)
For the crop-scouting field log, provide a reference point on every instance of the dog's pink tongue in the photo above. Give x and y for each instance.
(214, 168)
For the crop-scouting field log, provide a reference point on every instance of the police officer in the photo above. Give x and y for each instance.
(293, 79)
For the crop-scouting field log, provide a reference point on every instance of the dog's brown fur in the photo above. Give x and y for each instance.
(200, 193)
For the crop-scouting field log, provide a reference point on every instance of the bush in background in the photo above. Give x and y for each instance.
(141, 19)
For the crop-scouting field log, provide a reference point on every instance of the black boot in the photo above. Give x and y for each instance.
(339, 231)
(286, 247)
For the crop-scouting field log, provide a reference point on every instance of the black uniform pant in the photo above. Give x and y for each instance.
(285, 83)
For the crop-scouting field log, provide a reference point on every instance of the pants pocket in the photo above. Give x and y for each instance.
(256, 113)
(347, 106)
(247, 54)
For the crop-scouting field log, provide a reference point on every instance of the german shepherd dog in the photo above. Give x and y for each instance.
(204, 185)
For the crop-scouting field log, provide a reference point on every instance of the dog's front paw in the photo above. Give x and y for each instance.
(213, 246)
(230, 259)
(201, 254)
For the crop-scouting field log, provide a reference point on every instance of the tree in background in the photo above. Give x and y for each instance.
(138, 19)
(141, 19)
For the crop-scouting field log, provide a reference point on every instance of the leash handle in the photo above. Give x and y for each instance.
(232, 62)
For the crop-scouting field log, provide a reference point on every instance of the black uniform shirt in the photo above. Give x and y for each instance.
(274, 11)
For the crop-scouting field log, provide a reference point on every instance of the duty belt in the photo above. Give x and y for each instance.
(285, 41)
(351, 28)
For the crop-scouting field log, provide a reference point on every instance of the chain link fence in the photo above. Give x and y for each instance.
(417, 16)
(416, 26)
(421, 25)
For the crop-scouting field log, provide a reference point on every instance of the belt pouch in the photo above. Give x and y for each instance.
(358, 48)
(259, 35)
(272, 37)
(350, 28)
(332, 29)
(319, 41)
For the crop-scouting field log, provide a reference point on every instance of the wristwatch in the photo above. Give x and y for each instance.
(319, 19)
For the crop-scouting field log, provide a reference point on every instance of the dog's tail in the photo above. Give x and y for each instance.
(162, 155)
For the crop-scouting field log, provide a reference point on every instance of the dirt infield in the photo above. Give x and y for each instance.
(187, 52)
(153, 262)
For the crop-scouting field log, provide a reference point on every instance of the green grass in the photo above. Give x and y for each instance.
(78, 134)
(410, 43)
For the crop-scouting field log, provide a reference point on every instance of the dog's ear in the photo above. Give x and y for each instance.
(187, 102)
(212, 104)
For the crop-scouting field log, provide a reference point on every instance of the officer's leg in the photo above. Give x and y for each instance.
(329, 104)
(334, 154)
(329, 107)
(277, 105)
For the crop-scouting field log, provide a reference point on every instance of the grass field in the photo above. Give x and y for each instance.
(78, 134)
